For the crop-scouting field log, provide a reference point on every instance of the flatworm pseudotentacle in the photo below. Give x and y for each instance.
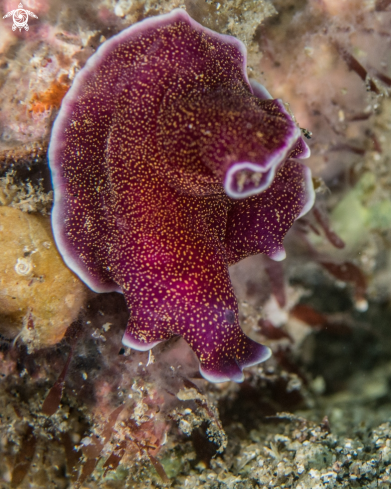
(168, 165)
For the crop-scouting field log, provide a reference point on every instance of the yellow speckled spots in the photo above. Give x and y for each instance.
(153, 131)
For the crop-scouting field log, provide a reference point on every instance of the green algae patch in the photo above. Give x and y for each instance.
(172, 464)
(360, 211)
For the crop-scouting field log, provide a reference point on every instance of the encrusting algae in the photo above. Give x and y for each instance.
(39, 295)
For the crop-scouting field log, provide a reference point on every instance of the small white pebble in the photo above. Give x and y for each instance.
(86, 441)
(106, 326)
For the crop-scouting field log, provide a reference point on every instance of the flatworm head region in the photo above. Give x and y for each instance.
(169, 165)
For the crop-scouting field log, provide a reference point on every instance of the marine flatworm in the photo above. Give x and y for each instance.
(168, 166)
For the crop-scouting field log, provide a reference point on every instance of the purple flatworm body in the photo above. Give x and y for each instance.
(168, 166)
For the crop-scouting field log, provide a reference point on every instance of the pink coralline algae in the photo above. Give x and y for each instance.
(168, 166)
